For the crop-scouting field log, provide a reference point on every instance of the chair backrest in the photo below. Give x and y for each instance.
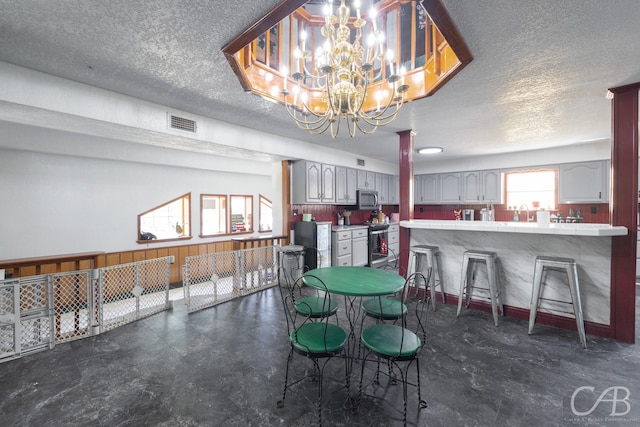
(412, 297)
(420, 301)
(284, 276)
(295, 319)
(316, 252)
(293, 287)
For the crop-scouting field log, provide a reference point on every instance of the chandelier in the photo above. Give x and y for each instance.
(345, 76)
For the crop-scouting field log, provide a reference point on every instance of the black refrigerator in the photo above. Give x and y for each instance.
(317, 237)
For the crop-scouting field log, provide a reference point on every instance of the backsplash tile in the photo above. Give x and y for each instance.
(443, 212)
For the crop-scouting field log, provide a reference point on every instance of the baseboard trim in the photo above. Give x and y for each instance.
(548, 319)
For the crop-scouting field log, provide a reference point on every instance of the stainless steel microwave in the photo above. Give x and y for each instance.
(367, 199)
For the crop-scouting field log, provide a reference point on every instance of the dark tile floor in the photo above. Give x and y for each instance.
(224, 366)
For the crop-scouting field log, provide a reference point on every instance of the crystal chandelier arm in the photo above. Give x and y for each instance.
(385, 116)
(293, 109)
(314, 127)
(366, 131)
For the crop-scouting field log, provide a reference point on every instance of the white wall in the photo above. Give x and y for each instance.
(33, 98)
(56, 204)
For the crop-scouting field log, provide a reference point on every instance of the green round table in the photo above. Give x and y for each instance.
(355, 281)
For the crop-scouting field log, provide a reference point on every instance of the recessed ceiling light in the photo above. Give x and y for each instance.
(430, 150)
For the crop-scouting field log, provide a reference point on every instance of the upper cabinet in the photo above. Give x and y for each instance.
(427, 189)
(314, 182)
(482, 187)
(394, 189)
(451, 187)
(382, 187)
(459, 187)
(584, 182)
(319, 183)
(346, 181)
(366, 180)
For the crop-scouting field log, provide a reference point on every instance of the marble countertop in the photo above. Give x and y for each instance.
(572, 229)
(354, 226)
(347, 227)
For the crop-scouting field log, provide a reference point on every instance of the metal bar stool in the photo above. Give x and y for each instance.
(467, 281)
(569, 266)
(421, 257)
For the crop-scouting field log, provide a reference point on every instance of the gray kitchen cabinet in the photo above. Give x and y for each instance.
(312, 182)
(427, 189)
(584, 182)
(359, 247)
(482, 187)
(394, 189)
(346, 182)
(382, 187)
(450, 187)
(393, 233)
(341, 247)
(366, 180)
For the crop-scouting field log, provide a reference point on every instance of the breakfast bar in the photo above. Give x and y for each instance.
(517, 244)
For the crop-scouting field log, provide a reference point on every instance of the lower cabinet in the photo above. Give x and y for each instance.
(360, 247)
(341, 247)
(394, 242)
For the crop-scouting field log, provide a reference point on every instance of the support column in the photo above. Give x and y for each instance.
(406, 192)
(623, 209)
(286, 201)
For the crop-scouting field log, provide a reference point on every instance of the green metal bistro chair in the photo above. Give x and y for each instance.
(316, 306)
(387, 308)
(318, 341)
(395, 265)
(397, 343)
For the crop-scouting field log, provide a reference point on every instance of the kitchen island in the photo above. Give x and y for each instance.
(517, 244)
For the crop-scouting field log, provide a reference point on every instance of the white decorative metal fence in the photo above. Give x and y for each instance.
(38, 311)
(212, 279)
(129, 292)
(25, 316)
(74, 305)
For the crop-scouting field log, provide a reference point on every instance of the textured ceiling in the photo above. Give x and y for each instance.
(539, 76)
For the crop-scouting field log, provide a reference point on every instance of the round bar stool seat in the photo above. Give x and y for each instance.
(420, 259)
(569, 266)
(467, 280)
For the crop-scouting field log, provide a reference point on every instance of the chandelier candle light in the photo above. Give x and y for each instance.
(343, 72)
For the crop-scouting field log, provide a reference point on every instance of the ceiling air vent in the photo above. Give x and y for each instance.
(180, 123)
(360, 162)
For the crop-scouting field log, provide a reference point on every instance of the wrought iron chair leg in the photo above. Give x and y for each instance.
(403, 374)
(319, 404)
(280, 403)
(393, 379)
(421, 403)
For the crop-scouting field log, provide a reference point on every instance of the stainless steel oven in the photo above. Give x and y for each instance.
(378, 245)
